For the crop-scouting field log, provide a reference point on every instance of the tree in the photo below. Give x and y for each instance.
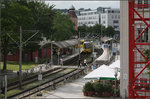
(13, 16)
(110, 32)
(146, 52)
(43, 16)
(62, 28)
(84, 30)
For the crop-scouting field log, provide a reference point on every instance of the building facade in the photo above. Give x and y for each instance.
(73, 17)
(111, 17)
(88, 18)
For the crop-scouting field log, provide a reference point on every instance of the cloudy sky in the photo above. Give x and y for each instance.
(84, 4)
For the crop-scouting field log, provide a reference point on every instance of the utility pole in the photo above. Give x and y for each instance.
(101, 33)
(79, 48)
(0, 45)
(52, 52)
(0, 39)
(20, 59)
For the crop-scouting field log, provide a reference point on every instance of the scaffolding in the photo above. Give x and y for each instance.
(139, 42)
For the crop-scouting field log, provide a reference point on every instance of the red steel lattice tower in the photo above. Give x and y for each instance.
(139, 43)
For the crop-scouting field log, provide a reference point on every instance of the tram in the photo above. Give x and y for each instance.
(87, 47)
(81, 43)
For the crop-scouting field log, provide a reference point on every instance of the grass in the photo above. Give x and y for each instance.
(36, 83)
(12, 65)
(11, 92)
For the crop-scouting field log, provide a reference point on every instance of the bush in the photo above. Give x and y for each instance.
(117, 92)
(108, 88)
(88, 87)
(98, 87)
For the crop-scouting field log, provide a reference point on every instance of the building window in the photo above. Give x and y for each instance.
(145, 2)
(116, 26)
(112, 16)
(140, 2)
(103, 22)
(115, 21)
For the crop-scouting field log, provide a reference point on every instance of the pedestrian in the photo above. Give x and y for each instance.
(17, 73)
(79, 65)
(54, 85)
(61, 61)
(85, 64)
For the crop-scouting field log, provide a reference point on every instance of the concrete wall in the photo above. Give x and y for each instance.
(124, 48)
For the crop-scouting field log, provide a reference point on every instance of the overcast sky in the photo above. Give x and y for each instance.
(84, 4)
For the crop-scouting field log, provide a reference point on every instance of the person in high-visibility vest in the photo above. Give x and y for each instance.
(58, 50)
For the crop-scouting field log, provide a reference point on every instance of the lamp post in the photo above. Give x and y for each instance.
(116, 73)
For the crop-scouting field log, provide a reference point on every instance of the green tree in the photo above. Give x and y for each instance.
(43, 16)
(110, 32)
(146, 52)
(62, 28)
(13, 16)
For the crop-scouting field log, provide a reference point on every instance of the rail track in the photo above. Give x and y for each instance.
(33, 78)
(46, 84)
(49, 83)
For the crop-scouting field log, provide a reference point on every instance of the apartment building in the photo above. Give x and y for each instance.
(111, 17)
(88, 18)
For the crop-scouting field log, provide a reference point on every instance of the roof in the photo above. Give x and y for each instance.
(71, 7)
(60, 44)
(66, 43)
(105, 39)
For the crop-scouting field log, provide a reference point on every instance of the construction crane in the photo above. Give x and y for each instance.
(139, 23)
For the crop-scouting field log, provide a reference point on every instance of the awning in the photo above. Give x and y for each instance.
(105, 39)
(115, 64)
(60, 44)
(66, 43)
(102, 73)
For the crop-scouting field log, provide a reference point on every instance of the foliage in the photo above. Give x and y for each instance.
(98, 87)
(97, 30)
(29, 15)
(110, 32)
(88, 87)
(117, 92)
(108, 88)
(146, 52)
(13, 16)
(62, 28)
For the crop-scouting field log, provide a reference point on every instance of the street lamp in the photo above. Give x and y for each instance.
(116, 73)
(92, 42)
(52, 52)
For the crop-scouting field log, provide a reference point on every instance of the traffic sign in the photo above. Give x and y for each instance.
(105, 46)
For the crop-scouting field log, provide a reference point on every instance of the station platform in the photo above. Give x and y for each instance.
(73, 55)
(72, 67)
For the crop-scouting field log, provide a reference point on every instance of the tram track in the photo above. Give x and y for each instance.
(45, 85)
(45, 74)
(33, 78)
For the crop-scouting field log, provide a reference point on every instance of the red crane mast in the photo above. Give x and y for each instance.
(139, 23)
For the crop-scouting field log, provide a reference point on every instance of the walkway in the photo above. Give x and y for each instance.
(69, 90)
